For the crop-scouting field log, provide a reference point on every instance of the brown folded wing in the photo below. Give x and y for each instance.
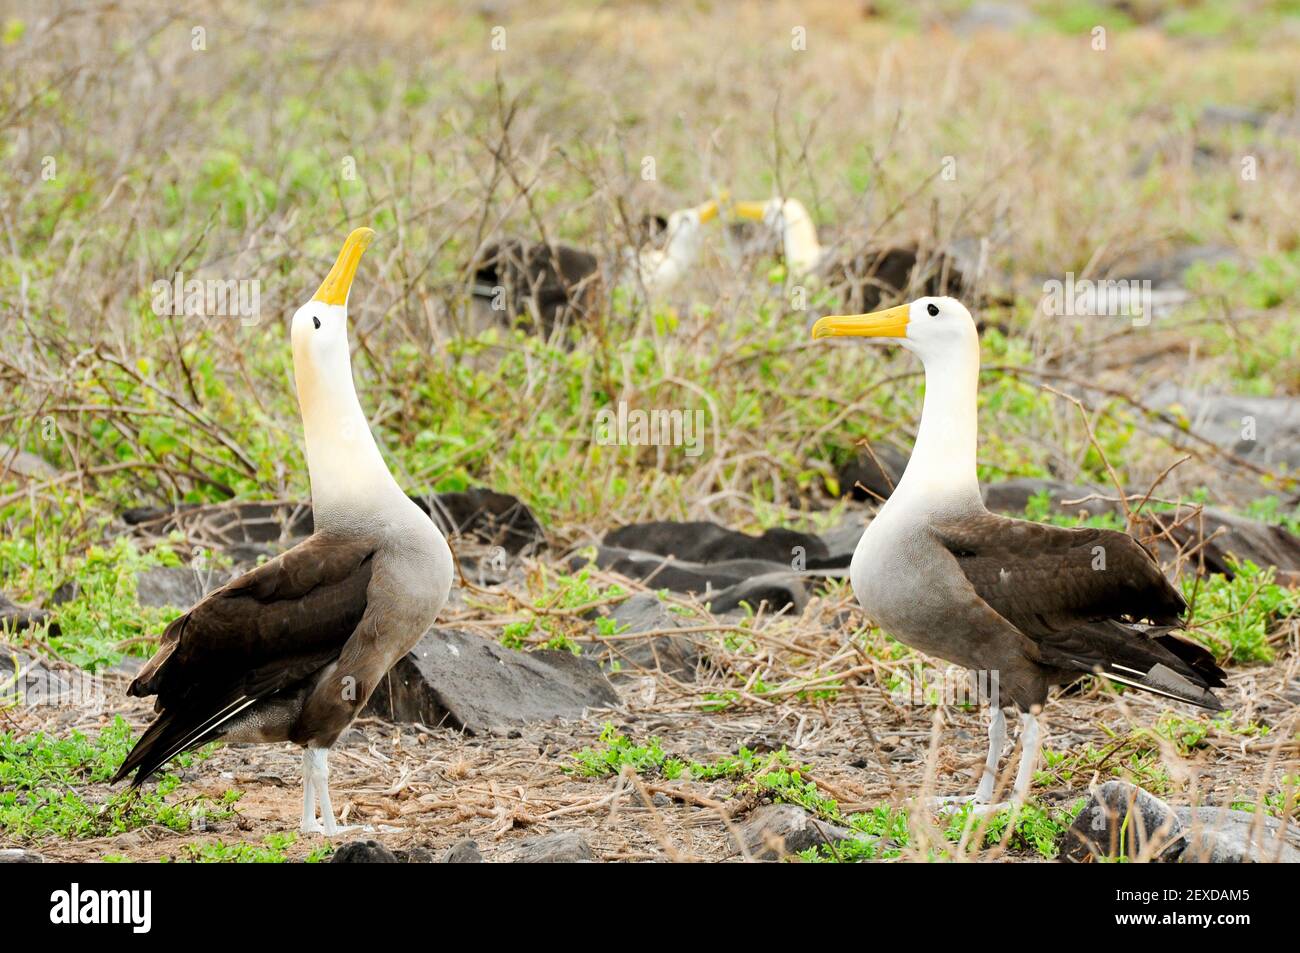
(1082, 597)
(263, 632)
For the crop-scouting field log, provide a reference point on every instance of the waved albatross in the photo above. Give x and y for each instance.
(1031, 606)
(292, 650)
(516, 277)
(863, 279)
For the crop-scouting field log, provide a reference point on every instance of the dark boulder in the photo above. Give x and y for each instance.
(675, 655)
(704, 542)
(495, 519)
(364, 852)
(1220, 835)
(773, 831)
(569, 847)
(463, 852)
(464, 681)
(724, 585)
(872, 474)
(1122, 819)
(14, 617)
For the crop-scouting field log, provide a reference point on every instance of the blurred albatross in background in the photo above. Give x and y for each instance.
(863, 278)
(543, 282)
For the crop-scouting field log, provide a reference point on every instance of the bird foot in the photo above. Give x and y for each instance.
(954, 804)
(329, 828)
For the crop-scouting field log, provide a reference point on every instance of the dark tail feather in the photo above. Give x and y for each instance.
(1196, 657)
(1149, 658)
(1162, 680)
(157, 738)
(169, 736)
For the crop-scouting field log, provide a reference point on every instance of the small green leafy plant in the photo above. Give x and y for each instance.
(43, 788)
(1234, 617)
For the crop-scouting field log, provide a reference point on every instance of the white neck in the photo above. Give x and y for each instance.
(350, 483)
(662, 270)
(941, 471)
(799, 242)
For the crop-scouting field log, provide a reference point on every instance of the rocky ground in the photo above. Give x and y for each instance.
(426, 790)
(469, 741)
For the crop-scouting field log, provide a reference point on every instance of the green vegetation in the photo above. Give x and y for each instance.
(1284, 801)
(1269, 509)
(776, 777)
(558, 615)
(272, 850)
(102, 620)
(617, 752)
(43, 782)
(1235, 617)
(1133, 757)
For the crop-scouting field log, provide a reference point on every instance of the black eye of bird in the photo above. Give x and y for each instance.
(933, 309)
(315, 321)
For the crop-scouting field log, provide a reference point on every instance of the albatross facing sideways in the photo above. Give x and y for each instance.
(863, 278)
(292, 650)
(514, 274)
(1036, 605)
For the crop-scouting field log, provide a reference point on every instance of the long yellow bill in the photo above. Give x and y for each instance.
(754, 211)
(708, 211)
(334, 289)
(891, 323)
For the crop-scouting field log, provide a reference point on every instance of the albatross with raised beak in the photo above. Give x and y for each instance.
(1030, 605)
(865, 278)
(292, 650)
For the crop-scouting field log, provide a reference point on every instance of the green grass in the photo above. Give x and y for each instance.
(556, 616)
(1269, 509)
(1284, 801)
(272, 850)
(774, 776)
(616, 751)
(1189, 735)
(103, 621)
(1133, 757)
(883, 832)
(1234, 617)
(43, 781)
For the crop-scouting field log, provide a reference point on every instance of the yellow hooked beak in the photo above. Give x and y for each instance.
(334, 289)
(754, 211)
(708, 211)
(891, 323)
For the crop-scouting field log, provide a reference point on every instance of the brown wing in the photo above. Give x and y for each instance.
(266, 630)
(1079, 595)
(1034, 574)
(555, 277)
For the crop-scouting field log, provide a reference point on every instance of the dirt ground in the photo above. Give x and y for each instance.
(409, 786)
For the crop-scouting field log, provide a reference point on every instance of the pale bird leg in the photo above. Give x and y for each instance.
(981, 800)
(1030, 741)
(309, 823)
(997, 740)
(320, 770)
(321, 782)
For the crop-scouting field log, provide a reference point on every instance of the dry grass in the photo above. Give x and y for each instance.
(411, 786)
